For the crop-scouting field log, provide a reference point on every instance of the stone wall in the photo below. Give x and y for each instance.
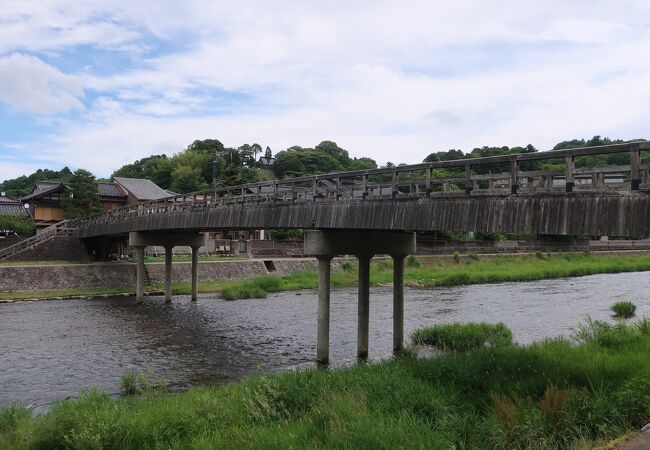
(61, 248)
(68, 276)
(109, 275)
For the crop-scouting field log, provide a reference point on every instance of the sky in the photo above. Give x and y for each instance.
(98, 84)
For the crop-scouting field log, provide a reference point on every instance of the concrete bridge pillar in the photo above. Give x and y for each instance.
(139, 280)
(363, 307)
(323, 332)
(195, 273)
(169, 240)
(398, 302)
(324, 245)
(168, 274)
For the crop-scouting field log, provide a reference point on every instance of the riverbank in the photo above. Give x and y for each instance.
(550, 395)
(423, 272)
(426, 272)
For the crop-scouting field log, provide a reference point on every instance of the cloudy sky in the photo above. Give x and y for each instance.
(97, 84)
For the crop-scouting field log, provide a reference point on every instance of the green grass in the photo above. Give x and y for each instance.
(624, 310)
(550, 395)
(463, 336)
(430, 272)
(85, 292)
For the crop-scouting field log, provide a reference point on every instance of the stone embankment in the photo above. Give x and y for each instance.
(114, 275)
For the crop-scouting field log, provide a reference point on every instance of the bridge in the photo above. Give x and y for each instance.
(592, 191)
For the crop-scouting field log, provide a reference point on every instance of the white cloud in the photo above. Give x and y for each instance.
(28, 84)
(386, 79)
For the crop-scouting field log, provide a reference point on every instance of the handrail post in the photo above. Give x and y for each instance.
(514, 176)
(429, 187)
(314, 189)
(395, 187)
(364, 183)
(635, 162)
(338, 188)
(569, 167)
(468, 179)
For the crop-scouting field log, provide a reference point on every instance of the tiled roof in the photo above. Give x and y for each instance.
(12, 208)
(42, 187)
(7, 199)
(110, 190)
(142, 189)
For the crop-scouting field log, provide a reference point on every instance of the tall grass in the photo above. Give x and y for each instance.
(624, 310)
(463, 336)
(549, 395)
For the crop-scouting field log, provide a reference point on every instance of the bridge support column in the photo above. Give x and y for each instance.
(168, 274)
(169, 240)
(398, 302)
(195, 273)
(364, 307)
(139, 279)
(326, 244)
(323, 337)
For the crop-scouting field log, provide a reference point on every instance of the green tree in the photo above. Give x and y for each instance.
(81, 197)
(20, 224)
(330, 148)
(187, 179)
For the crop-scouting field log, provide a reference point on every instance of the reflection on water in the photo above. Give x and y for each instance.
(50, 350)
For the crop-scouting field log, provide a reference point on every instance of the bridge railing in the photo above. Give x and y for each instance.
(504, 175)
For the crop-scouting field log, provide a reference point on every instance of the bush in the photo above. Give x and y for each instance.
(542, 256)
(606, 335)
(473, 256)
(133, 383)
(456, 257)
(464, 336)
(623, 310)
(412, 261)
(19, 223)
(347, 266)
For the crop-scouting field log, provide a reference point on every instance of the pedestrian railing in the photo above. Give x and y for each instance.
(496, 175)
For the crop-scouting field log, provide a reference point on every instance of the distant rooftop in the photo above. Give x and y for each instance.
(110, 190)
(142, 189)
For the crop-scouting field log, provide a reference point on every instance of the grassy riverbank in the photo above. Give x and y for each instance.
(420, 272)
(551, 395)
(431, 272)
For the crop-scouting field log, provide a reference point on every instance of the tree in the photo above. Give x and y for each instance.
(81, 197)
(187, 179)
(20, 224)
(330, 148)
(449, 155)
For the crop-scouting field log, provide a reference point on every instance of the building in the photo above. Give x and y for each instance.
(10, 206)
(44, 202)
(141, 190)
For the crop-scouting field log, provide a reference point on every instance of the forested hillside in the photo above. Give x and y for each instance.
(193, 168)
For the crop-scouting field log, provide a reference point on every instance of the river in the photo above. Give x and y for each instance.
(49, 350)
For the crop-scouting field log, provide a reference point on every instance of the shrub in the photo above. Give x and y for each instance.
(606, 335)
(133, 383)
(456, 257)
(542, 256)
(623, 310)
(248, 290)
(19, 223)
(464, 336)
(412, 261)
(347, 266)
(473, 256)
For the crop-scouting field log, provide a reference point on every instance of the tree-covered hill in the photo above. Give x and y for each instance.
(193, 168)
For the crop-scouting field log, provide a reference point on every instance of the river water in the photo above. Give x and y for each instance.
(49, 350)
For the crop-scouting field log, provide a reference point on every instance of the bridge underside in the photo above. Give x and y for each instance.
(578, 213)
